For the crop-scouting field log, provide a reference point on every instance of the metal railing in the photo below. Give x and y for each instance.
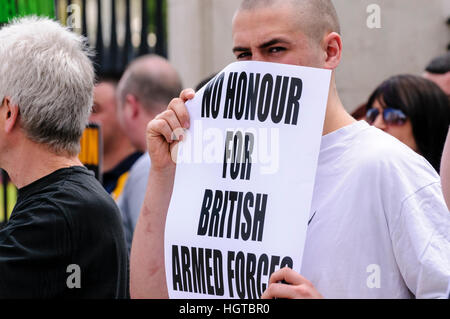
(94, 17)
(112, 56)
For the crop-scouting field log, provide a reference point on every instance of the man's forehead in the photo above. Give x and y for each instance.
(442, 80)
(104, 92)
(438, 77)
(104, 88)
(282, 13)
(262, 25)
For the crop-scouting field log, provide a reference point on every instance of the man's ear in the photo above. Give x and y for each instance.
(332, 45)
(131, 107)
(10, 113)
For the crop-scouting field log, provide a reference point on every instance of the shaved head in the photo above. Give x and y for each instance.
(315, 18)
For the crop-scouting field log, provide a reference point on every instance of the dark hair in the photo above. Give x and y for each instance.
(360, 112)
(110, 77)
(439, 65)
(205, 81)
(425, 105)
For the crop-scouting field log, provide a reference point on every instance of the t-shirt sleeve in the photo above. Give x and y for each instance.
(421, 243)
(34, 248)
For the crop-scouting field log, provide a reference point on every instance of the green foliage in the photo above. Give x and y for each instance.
(18, 8)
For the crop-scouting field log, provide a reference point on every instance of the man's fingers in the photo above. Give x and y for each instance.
(159, 127)
(296, 286)
(288, 275)
(170, 117)
(283, 291)
(180, 111)
(171, 122)
(187, 94)
(276, 291)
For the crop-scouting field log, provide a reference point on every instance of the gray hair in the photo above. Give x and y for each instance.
(46, 71)
(152, 80)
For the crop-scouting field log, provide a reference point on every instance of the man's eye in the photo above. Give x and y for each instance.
(276, 49)
(243, 55)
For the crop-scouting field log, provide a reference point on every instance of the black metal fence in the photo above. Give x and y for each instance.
(111, 57)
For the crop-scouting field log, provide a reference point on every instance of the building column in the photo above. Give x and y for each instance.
(200, 40)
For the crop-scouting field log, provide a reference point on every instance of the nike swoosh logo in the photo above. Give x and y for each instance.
(312, 218)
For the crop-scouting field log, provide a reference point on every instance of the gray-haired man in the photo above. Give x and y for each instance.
(64, 238)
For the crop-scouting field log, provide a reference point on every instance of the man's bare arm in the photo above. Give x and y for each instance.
(147, 273)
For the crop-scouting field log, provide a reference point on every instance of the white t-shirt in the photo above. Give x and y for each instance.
(380, 227)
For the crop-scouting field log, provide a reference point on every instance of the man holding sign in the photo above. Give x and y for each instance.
(378, 225)
(247, 216)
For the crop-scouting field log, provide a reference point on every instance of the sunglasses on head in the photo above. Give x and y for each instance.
(390, 116)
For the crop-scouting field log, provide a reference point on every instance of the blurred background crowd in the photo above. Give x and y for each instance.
(395, 74)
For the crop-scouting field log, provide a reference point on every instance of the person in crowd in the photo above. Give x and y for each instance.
(118, 152)
(415, 111)
(147, 86)
(438, 71)
(382, 206)
(64, 238)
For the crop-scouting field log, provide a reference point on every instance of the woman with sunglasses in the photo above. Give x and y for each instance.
(415, 111)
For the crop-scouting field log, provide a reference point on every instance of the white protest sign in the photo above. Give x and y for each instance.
(244, 180)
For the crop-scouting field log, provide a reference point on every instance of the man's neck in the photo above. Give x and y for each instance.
(33, 161)
(336, 116)
(116, 153)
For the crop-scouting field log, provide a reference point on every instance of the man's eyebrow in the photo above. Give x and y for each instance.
(272, 42)
(262, 46)
(240, 49)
